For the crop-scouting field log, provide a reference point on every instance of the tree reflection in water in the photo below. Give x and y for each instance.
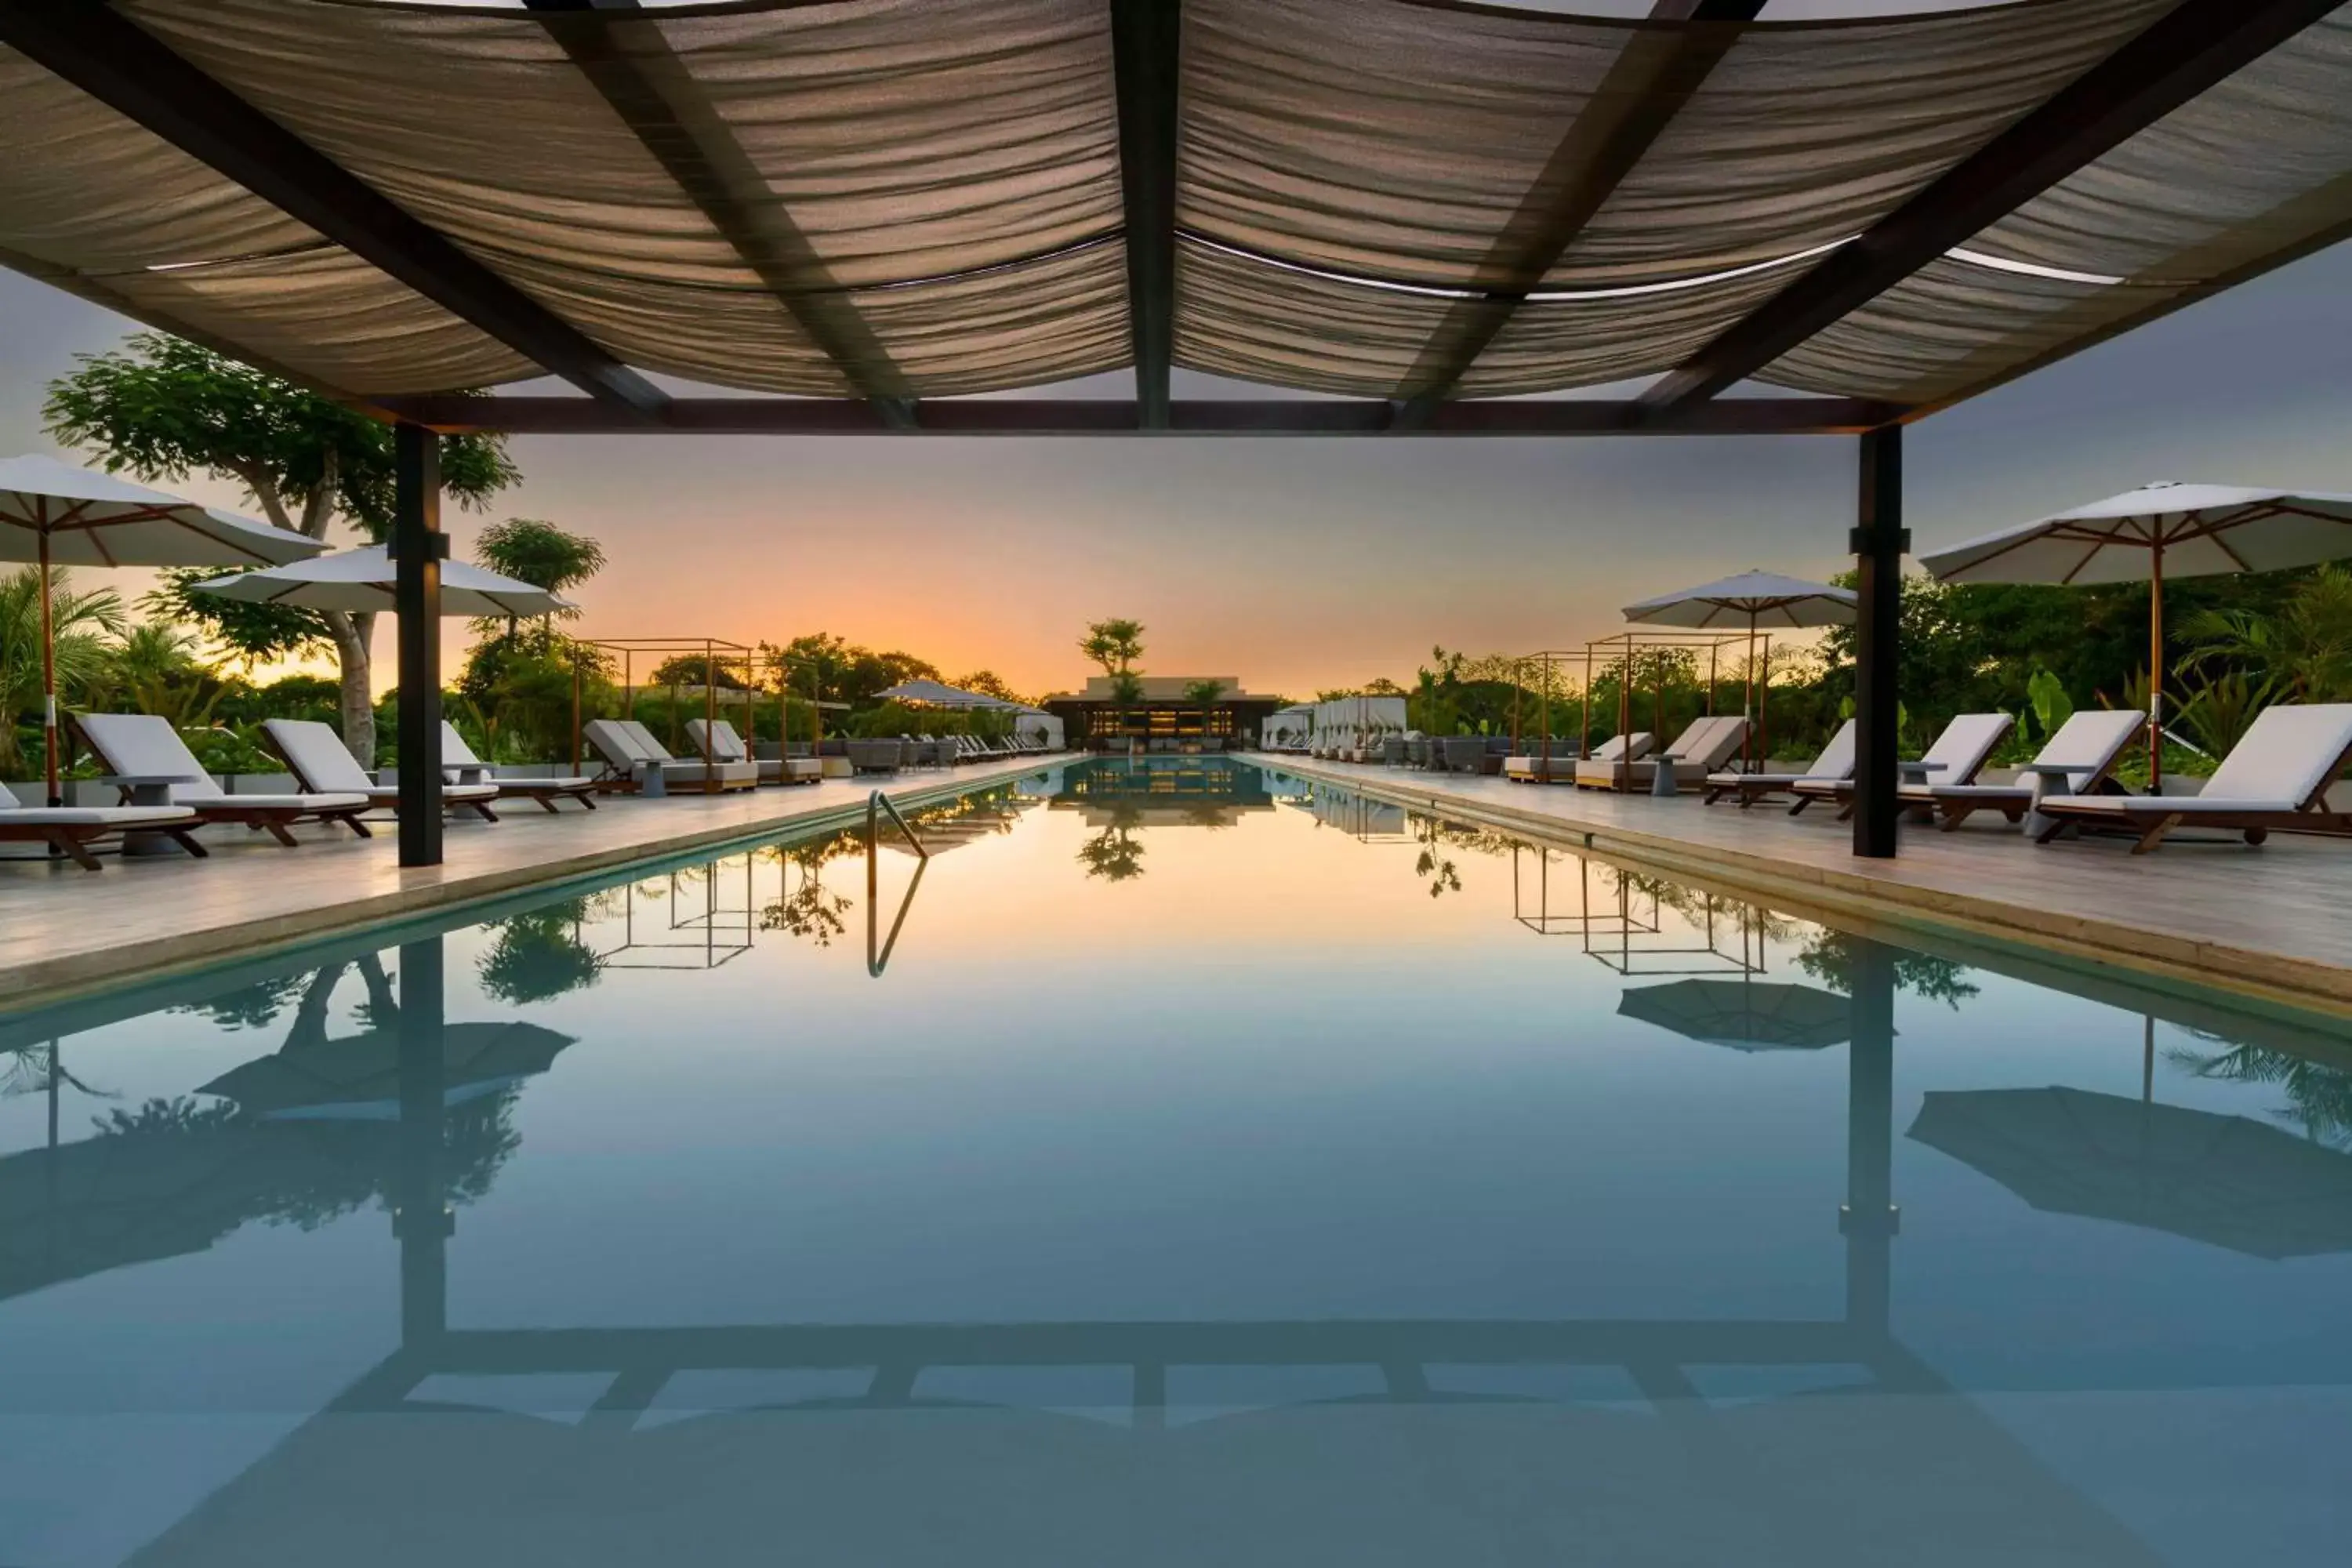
(540, 955)
(2319, 1097)
(810, 910)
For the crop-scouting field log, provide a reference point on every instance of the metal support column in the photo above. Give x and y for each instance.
(1878, 544)
(418, 548)
(1870, 1220)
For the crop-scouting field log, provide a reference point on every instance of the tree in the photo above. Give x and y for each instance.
(1115, 645)
(988, 683)
(845, 672)
(1204, 693)
(82, 624)
(536, 551)
(161, 409)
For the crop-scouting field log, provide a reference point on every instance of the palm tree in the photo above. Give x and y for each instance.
(2300, 653)
(82, 624)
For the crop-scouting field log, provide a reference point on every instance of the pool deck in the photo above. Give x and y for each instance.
(2273, 923)
(65, 931)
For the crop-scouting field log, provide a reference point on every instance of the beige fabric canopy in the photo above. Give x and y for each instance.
(928, 198)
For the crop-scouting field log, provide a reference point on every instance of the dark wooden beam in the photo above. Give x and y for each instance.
(1652, 78)
(139, 76)
(626, 57)
(1116, 417)
(1146, 36)
(2181, 55)
(1878, 541)
(418, 548)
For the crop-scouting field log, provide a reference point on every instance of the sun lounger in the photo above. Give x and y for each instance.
(1835, 764)
(143, 752)
(71, 830)
(1705, 745)
(1634, 745)
(2276, 776)
(322, 765)
(460, 766)
(630, 751)
(2076, 759)
(720, 741)
(1957, 756)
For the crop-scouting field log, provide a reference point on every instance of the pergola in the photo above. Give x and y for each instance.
(1428, 213)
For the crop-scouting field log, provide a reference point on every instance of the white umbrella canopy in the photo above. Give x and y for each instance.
(1753, 599)
(1758, 600)
(938, 694)
(2157, 531)
(2183, 531)
(361, 581)
(97, 520)
(58, 515)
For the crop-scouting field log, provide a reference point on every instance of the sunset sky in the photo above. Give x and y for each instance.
(1302, 563)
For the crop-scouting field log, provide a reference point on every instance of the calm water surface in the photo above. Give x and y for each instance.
(1219, 1169)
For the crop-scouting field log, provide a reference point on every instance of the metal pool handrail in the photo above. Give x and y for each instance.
(877, 950)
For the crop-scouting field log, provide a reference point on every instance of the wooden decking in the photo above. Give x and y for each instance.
(65, 931)
(2273, 923)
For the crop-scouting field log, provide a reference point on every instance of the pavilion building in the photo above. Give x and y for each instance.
(1165, 719)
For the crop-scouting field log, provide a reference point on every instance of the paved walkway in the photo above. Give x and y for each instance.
(64, 930)
(2274, 921)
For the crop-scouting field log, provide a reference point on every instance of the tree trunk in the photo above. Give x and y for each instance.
(354, 638)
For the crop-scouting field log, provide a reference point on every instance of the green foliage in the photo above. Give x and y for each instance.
(248, 632)
(2217, 709)
(533, 551)
(988, 683)
(539, 955)
(2298, 649)
(2046, 699)
(844, 671)
(82, 626)
(1127, 689)
(161, 409)
(1204, 693)
(1115, 645)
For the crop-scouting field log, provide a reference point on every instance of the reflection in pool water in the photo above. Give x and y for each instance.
(1220, 1168)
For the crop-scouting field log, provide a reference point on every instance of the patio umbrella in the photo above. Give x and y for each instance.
(2228, 1181)
(938, 694)
(361, 581)
(58, 515)
(357, 1077)
(1758, 598)
(1745, 1015)
(2183, 531)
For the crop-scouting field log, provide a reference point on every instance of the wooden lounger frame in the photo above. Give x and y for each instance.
(73, 839)
(2153, 823)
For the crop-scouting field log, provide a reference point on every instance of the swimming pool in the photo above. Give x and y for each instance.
(1185, 1163)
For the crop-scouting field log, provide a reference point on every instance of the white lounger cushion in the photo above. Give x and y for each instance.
(94, 816)
(2287, 754)
(1836, 761)
(317, 756)
(2088, 743)
(615, 743)
(718, 739)
(455, 754)
(2284, 759)
(1609, 751)
(143, 745)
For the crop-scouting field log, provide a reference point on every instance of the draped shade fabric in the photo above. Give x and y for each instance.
(927, 193)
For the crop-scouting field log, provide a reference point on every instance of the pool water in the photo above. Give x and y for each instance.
(1185, 1163)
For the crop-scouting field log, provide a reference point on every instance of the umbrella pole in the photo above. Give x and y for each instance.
(1763, 700)
(709, 719)
(49, 682)
(1748, 700)
(2156, 666)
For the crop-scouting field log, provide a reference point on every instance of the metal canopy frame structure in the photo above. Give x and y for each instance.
(2184, 53)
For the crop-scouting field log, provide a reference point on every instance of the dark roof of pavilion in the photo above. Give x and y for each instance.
(1411, 201)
